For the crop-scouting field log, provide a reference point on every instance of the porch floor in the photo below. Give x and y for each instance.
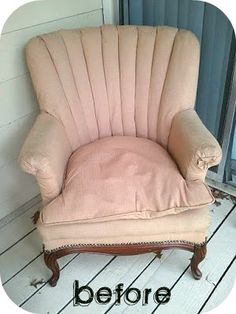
(24, 275)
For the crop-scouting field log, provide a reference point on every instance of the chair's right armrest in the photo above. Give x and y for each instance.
(45, 153)
(192, 146)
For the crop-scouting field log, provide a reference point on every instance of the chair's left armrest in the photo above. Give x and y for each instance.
(192, 146)
(45, 154)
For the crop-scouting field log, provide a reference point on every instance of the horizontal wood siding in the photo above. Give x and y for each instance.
(12, 61)
(41, 12)
(18, 104)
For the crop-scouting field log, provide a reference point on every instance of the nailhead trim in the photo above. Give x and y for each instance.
(123, 244)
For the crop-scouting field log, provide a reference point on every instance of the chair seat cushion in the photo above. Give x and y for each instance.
(123, 177)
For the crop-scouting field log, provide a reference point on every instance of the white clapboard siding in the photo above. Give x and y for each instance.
(25, 16)
(18, 102)
(171, 269)
(12, 137)
(12, 60)
(223, 289)
(16, 188)
(29, 190)
(12, 179)
(17, 99)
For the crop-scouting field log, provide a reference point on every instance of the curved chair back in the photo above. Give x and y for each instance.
(125, 80)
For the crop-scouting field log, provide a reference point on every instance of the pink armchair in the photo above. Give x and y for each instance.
(118, 151)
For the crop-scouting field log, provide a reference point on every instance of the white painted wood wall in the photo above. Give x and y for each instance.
(18, 106)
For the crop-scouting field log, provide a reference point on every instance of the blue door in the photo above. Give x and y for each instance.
(217, 39)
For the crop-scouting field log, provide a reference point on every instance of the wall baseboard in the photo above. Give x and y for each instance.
(20, 210)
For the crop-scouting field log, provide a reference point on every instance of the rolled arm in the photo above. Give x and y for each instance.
(45, 153)
(192, 146)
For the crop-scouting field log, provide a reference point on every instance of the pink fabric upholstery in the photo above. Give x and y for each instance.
(45, 154)
(117, 143)
(192, 146)
(112, 80)
(123, 178)
(191, 225)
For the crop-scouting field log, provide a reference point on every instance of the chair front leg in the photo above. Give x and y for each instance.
(198, 256)
(51, 262)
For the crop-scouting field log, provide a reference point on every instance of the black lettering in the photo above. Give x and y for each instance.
(146, 293)
(102, 293)
(78, 290)
(117, 291)
(130, 301)
(162, 295)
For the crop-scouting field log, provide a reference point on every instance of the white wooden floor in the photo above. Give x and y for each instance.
(21, 265)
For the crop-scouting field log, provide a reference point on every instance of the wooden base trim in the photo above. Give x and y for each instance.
(126, 244)
(199, 250)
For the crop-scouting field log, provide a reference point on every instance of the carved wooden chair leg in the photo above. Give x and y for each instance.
(198, 256)
(51, 262)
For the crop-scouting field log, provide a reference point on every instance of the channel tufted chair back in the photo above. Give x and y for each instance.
(110, 80)
(118, 151)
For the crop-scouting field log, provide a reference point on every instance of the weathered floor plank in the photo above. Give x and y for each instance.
(189, 294)
(222, 290)
(175, 264)
(179, 258)
(102, 270)
(17, 229)
(20, 255)
(123, 270)
(50, 299)
(36, 271)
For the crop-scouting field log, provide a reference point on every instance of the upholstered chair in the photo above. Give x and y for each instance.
(119, 154)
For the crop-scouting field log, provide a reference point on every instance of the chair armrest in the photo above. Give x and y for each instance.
(45, 153)
(192, 146)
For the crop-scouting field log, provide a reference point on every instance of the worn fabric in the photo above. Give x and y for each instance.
(192, 146)
(118, 152)
(45, 154)
(108, 80)
(123, 177)
(190, 226)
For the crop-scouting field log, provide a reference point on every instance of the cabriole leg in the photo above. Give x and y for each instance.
(51, 262)
(198, 256)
